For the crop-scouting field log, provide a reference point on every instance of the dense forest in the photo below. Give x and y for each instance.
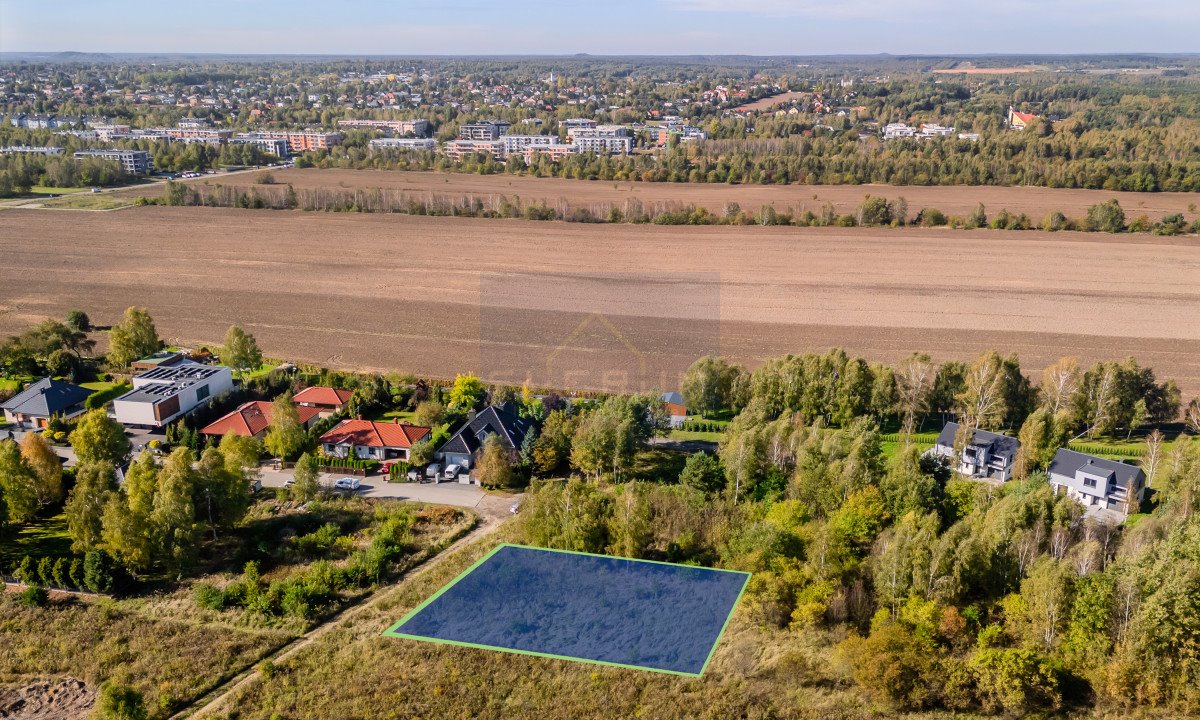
(947, 593)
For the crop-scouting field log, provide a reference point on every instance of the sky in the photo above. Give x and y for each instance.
(602, 27)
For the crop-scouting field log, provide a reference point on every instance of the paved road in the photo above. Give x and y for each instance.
(447, 493)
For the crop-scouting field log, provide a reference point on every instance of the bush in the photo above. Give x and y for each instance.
(119, 703)
(209, 597)
(34, 596)
(45, 571)
(931, 217)
(59, 573)
(98, 572)
(1106, 217)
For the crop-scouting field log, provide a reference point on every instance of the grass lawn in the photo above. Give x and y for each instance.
(692, 435)
(46, 190)
(42, 537)
(88, 201)
(107, 390)
(393, 415)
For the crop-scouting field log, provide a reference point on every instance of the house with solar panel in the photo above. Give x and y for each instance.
(1110, 490)
(988, 455)
(35, 405)
(166, 393)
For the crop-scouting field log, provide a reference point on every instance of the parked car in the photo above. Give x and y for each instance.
(289, 483)
(433, 471)
(95, 189)
(451, 472)
(515, 507)
(346, 483)
(414, 476)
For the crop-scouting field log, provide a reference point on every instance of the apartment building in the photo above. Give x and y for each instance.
(578, 123)
(110, 132)
(459, 149)
(419, 128)
(166, 393)
(486, 130)
(602, 139)
(423, 144)
(133, 162)
(30, 150)
(894, 131)
(553, 151)
(518, 143)
(298, 141)
(272, 146)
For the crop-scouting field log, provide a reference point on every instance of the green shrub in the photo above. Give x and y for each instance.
(34, 596)
(209, 597)
(98, 572)
(45, 571)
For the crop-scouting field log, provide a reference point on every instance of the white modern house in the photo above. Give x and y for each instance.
(1107, 488)
(166, 393)
(988, 455)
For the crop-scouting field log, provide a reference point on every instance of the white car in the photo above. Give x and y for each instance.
(414, 475)
(346, 483)
(515, 507)
(451, 472)
(432, 471)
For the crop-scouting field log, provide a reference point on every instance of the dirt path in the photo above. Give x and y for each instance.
(493, 512)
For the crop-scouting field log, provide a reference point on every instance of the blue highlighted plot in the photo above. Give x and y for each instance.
(577, 606)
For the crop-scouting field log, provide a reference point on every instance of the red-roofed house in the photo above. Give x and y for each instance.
(328, 400)
(1019, 120)
(373, 440)
(252, 419)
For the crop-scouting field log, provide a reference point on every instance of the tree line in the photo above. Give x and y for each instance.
(874, 211)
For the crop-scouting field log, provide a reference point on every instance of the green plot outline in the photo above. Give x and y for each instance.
(393, 630)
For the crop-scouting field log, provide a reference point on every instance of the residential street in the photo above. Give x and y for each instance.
(447, 493)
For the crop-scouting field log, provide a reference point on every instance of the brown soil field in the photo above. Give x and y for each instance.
(769, 102)
(603, 306)
(955, 200)
(988, 71)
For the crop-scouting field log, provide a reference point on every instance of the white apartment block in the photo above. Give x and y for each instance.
(30, 150)
(423, 144)
(395, 127)
(517, 143)
(459, 149)
(133, 162)
(602, 139)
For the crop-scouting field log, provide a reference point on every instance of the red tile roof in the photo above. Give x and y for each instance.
(1024, 117)
(675, 409)
(251, 418)
(375, 434)
(325, 396)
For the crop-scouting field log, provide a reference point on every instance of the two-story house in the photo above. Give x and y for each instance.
(1107, 488)
(988, 455)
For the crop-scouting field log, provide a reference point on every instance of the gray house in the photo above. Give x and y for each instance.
(35, 405)
(463, 447)
(988, 455)
(1107, 488)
